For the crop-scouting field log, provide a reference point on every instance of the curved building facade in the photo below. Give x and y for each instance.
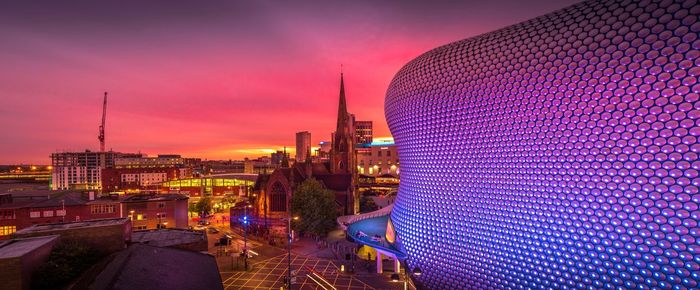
(561, 152)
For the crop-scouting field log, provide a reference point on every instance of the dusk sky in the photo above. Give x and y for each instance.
(212, 79)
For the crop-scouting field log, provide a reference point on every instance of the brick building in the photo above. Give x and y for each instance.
(156, 211)
(20, 257)
(139, 179)
(22, 209)
(105, 235)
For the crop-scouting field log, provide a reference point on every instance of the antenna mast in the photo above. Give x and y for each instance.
(101, 137)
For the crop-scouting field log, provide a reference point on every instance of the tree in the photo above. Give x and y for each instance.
(316, 208)
(367, 204)
(66, 262)
(203, 205)
(192, 207)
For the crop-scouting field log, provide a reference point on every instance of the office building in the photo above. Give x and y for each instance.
(363, 132)
(303, 146)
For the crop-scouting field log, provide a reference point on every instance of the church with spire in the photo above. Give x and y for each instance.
(274, 191)
(342, 149)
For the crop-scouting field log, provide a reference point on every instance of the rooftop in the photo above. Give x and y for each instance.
(148, 267)
(70, 225)
(19, 247)
(154, 197)
(167, 237)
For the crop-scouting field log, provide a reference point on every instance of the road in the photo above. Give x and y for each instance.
(268, 269)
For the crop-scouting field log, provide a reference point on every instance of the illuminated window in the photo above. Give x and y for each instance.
(7, 230)
(140, 217)
(34, 214)
(48, 213)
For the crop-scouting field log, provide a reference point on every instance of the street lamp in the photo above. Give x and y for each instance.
(289, 249)
(245, 236)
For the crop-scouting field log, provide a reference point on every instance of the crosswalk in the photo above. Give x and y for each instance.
(271, 274)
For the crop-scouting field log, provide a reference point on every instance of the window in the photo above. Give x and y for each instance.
(161, 205)
(379, 153)
(48, 213)
(138, 228)
(34, 214)
(388, 153)
(61, 212)
(102, 208)
(140, 217)
(7, 230)
(8, 214)
(278, 200)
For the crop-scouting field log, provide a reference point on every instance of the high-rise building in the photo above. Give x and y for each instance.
(303, 146)
(363, 132)
(82, 170)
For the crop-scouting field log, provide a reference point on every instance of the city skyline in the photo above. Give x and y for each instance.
(216, 81)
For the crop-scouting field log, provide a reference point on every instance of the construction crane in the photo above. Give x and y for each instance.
(101, 137)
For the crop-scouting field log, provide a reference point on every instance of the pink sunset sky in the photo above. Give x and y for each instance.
(212, 79)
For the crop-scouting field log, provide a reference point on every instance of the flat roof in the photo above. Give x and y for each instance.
(147, 267)
(19, 247)
(155, 197)
(71, 225)
(167, 237)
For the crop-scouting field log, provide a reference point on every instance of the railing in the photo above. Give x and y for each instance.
(346, 220)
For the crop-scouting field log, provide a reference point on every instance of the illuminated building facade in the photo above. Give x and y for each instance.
(560, 152)
(377, 158)
(82, 170)
(363, 132)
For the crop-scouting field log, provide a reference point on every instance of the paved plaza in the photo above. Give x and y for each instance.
(271, 273)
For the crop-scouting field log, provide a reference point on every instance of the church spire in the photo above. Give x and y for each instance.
(342, 107)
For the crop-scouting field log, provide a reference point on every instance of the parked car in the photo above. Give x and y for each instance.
(204, 222)
(212, 230)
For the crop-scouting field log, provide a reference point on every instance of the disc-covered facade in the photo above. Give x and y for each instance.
(561, 152)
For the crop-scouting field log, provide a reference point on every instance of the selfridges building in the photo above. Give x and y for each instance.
(561, 152)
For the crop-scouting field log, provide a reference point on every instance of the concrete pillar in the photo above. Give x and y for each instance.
(397, 266)
(379, 263)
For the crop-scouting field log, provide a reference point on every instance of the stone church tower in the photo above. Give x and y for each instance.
(343, 150)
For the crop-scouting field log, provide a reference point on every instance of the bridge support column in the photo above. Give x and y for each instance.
(379, 263)
(397, 266)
